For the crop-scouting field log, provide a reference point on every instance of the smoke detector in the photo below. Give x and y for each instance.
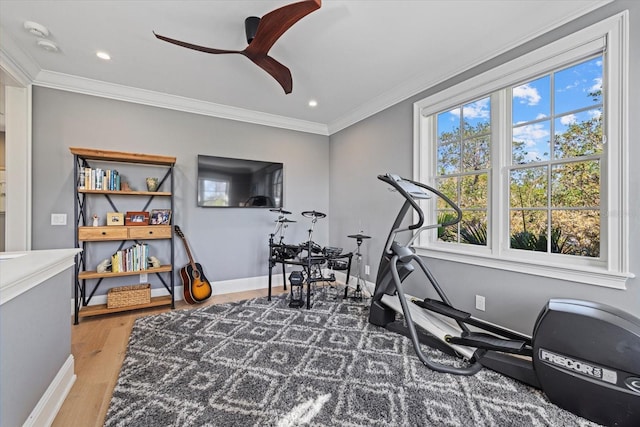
(36, 29)
(47, 45)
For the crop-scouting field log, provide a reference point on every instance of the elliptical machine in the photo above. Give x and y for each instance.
(598, 379)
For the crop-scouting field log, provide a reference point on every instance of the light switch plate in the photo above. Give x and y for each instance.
(58, 219)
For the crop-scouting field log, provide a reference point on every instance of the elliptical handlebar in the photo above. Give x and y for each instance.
(412, 190)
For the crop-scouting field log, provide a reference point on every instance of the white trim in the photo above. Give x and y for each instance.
(31, 268)
(245, 284)
(232, 286)
(17, 71)
(218, 288)
(102, 89)
(21, 67)
(613, 269)
(421, 83)
(518, 69)
(32, 73)
(18, 168)
(367, 289)
(51, 401)
(584, 275)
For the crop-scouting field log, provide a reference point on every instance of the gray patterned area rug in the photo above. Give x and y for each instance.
(261, 363)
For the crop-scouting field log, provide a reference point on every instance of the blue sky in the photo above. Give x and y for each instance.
(532, 103)
(532, 107)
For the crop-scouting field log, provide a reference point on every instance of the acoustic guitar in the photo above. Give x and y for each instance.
(196, 288)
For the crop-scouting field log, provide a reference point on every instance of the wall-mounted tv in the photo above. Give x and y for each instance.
(225, 182)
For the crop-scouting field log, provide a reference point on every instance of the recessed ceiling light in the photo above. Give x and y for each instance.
(36, 29)
(47, 45)
(103, 55)
(313, 103)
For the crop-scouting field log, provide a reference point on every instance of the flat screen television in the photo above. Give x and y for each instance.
(225, 182)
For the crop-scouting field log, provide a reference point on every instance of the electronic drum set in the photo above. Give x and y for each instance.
(314, 259)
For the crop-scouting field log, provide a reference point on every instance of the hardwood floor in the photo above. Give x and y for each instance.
(98, 345)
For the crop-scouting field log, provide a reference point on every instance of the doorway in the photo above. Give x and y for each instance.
(15, 161)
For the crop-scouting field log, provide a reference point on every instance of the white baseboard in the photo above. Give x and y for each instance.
(51, 401)
(234, 285)
(218, 288)
(368, 286)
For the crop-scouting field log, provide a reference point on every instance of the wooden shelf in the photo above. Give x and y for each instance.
(121, 156)
(124, 232)
(125, 193)
(95, 275)
(86, 236)
(97, 310)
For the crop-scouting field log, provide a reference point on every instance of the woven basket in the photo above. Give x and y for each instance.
(125, 296)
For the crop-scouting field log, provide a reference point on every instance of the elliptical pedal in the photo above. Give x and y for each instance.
(442, 308)
(488, 342)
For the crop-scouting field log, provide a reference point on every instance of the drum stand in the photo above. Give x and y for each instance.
(357, 292)
(275, 249)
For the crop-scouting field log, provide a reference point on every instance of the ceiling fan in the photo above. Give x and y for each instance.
(262, 33)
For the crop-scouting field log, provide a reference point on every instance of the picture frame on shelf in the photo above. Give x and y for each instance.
(160, 217)
(115, 218)
(136, 218)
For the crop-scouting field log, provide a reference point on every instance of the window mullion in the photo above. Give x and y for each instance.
(501, 159)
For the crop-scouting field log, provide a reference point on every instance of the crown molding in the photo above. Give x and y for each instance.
(18, 69)
(420, 83)
(102, 89)
(26, 71)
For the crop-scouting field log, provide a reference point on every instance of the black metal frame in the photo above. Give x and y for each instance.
(81, 297)
(306, 263)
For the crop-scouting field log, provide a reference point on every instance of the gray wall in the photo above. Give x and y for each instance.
(35, 339)
(3, 189)
(230, 243)
(384, 143)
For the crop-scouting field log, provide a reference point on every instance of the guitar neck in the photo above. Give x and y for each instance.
(186, 248)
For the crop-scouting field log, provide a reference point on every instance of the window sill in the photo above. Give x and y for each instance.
(589, 276)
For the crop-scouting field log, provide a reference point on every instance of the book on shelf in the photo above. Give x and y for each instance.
(134, 258)
(98, 179)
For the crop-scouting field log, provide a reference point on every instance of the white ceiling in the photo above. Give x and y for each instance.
(354, 57)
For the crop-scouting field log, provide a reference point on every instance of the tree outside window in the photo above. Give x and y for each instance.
(555, 167)
(557, 147)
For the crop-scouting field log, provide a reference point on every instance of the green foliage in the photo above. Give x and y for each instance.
(529, 241)
(474, 233)
(572, 188)
(446, 234)
(532, 242)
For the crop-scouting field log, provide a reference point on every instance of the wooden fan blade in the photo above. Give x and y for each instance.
(275, 69)
(275, 23)
(194, 46)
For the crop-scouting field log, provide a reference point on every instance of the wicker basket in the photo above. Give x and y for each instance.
(125, 296)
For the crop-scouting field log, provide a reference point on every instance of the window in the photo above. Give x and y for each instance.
(463, 165)
(215, 192)
(534, 153)
(556, 156)
(277, 186)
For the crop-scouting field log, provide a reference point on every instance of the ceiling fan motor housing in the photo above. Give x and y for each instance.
(250, 27)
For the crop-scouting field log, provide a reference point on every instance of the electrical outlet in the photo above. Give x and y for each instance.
(58, 219)
(480, 302)
(144, 278)
(367, 270)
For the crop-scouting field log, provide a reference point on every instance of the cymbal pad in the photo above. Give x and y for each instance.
(313, 214)
(358, 236)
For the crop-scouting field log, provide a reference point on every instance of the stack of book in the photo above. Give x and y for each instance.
(134, 258)
(98, 179)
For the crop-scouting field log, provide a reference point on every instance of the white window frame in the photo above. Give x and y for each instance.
(612, 268)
